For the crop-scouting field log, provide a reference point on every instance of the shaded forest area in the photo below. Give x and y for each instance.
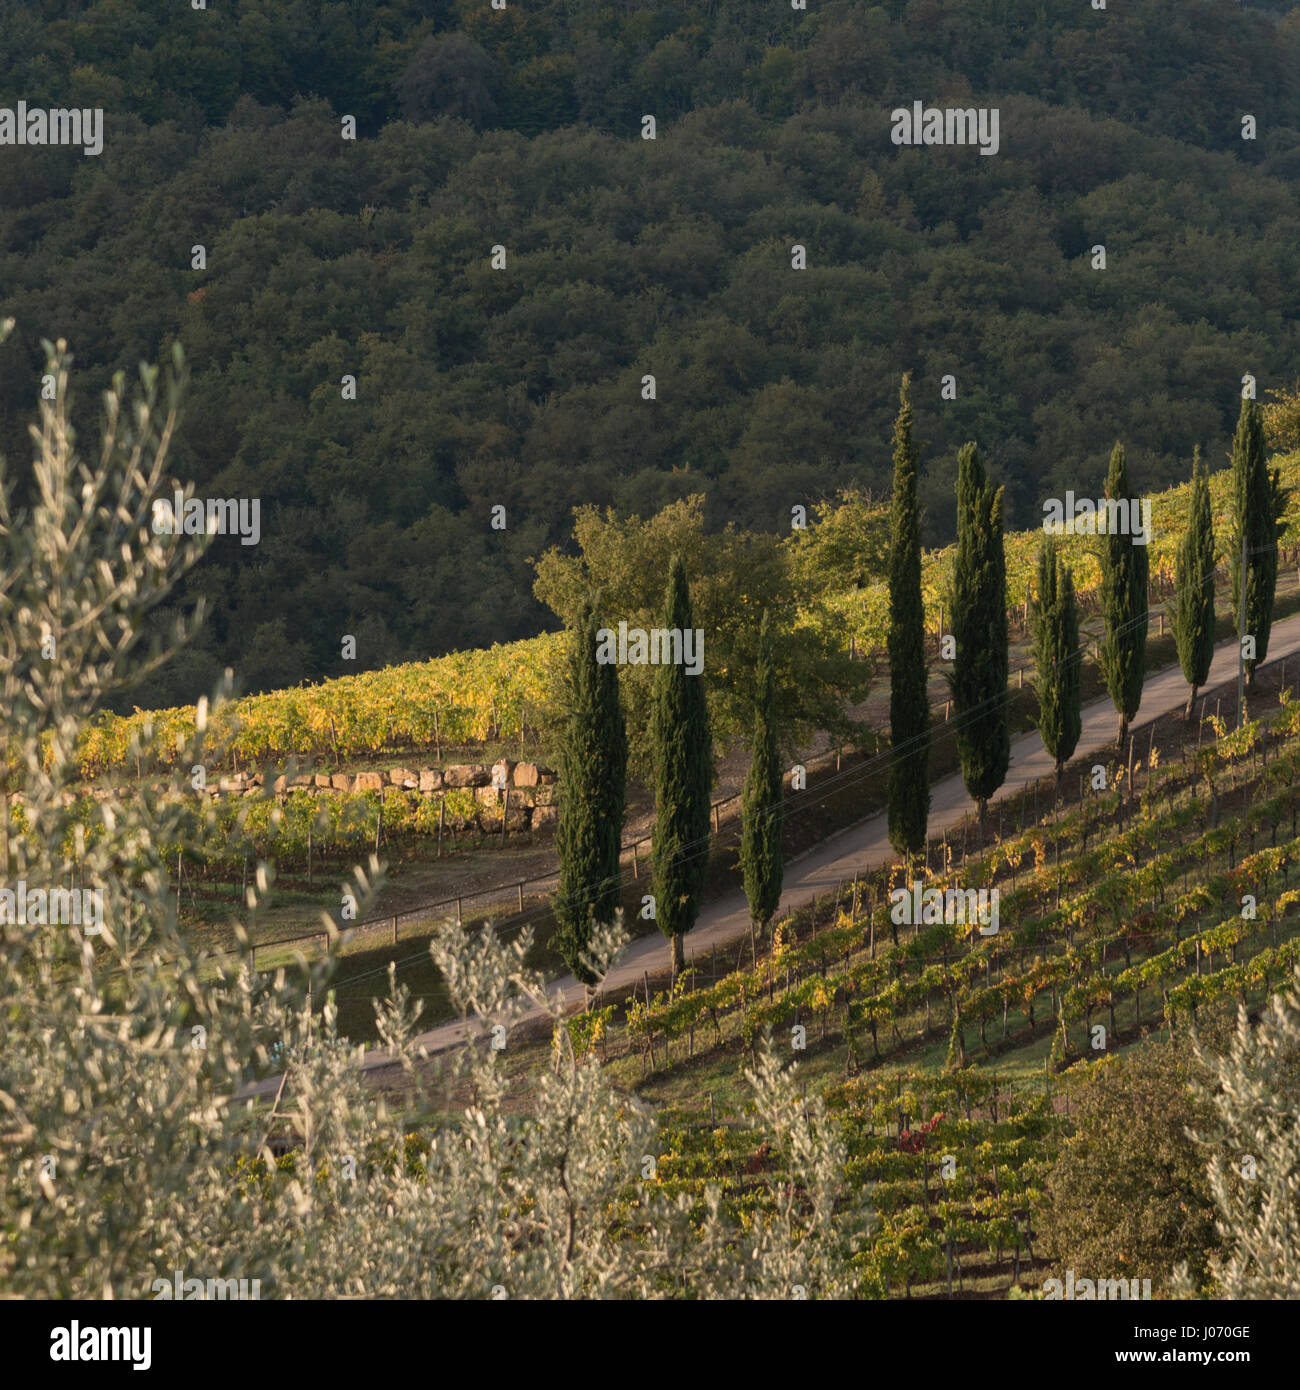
(626, 257)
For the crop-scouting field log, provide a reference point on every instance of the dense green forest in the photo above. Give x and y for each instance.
(627, 257)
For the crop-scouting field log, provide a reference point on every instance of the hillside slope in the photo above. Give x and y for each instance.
(522, 387)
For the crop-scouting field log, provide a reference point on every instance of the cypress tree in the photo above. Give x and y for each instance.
(979, 625)
(1258, 501)
(909, 707)
(593, 781)
(1193, 615)
(1056, 657)
(760, 809)
(683, 758)
(1124, 572)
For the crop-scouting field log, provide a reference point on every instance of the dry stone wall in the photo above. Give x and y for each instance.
(532, 802)
(475, 794)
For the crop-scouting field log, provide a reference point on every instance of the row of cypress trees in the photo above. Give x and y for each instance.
(977, 603)
(594, 756)
(593, 792)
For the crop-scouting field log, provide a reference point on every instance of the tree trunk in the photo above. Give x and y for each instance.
(1191, 700)
(678, 959)
(1123, 730)
(753, 945)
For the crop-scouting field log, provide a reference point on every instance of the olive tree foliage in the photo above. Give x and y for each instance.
(1254, 1166)
(141, 1082)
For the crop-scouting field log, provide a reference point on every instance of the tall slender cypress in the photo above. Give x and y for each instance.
(909, 706)
(683, 758)
(979, 625)
(760, 807)
(593, 781)
(1056, 657)
(1193, 616)
(1124, 571)
(1258, 501)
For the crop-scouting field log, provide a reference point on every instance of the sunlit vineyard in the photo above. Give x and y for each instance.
(473, 696)
(955, 1165)
(1133, 901)
(465, 698)
(1123, 916)
(865, 613)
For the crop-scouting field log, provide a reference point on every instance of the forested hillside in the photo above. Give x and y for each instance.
(626, 257)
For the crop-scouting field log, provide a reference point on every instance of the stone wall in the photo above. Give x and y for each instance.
(532, 802)
(478, 788)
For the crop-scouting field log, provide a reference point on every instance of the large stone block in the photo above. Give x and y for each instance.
(466, 775)
(527, 775)
(430, 779)
(368, 782)
(501, 770)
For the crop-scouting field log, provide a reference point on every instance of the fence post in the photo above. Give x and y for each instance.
(394, 929)
(716, 829)
(636, 868)
(521, 895)
(458, 912)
